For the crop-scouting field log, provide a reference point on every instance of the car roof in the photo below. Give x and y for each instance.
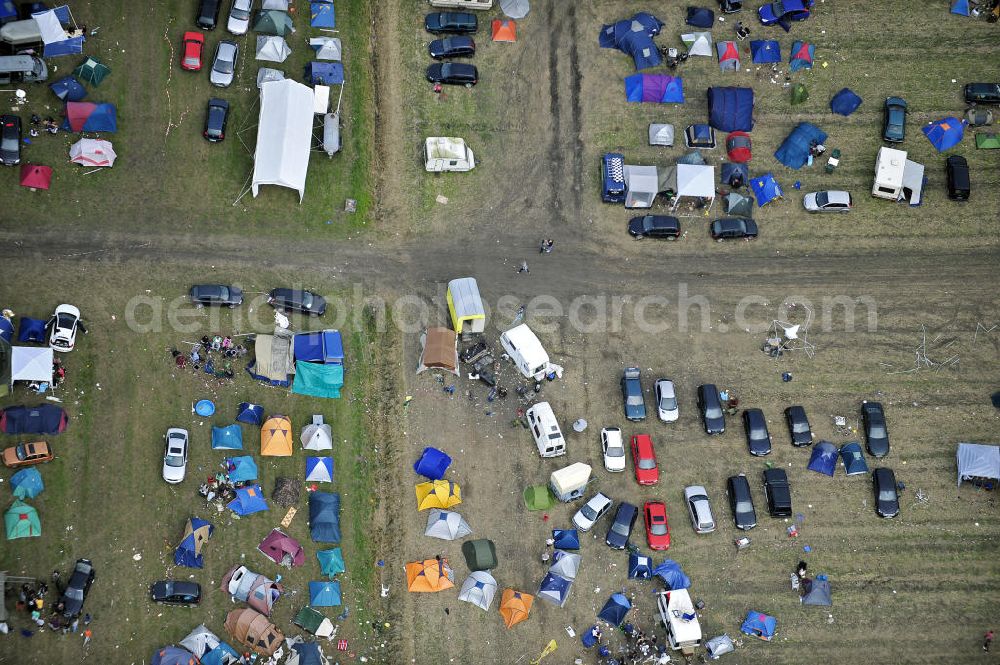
(624, 508)
(838, 196)
(772, 475)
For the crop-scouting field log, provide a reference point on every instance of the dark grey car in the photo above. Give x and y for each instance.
(741, 502)
(216, 294)
(621, 528)
(10, 140)
(77, 588)
(755, 428)
(171, 592)
(886, 494)
(297, 300)
(876, 432)
(711, 409)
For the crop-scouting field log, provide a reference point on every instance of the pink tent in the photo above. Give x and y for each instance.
(282, 549)
(92, 152)
(35, 176)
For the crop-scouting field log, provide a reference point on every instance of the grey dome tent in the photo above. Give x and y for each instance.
(853, 458)
(661, 134)
(719, 646)
(976, 460)
(698, 43)
(446, 525)
(200, 641)
(737, 204)
(515, 8)
(327, 48)
(819, 594)
(479, 589)
(272, 49)
(265, 74)
(566, 564)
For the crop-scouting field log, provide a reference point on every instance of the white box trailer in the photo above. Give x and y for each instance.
(570, 483)
(889, 168)
(680, 619)
(463, 4)
(447, 153)
(545, 430)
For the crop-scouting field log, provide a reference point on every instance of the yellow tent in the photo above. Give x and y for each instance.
(438, 494)
(276, 437)
(429, 576)
(515, 606)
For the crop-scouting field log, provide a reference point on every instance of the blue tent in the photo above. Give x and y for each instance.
(90, 117)
(823, 458)
(853, 458)
(758, 624)
(26, 484)
(68, 89)
(324, 73)
(221, 655)
(794, 150)
(309, 653)
(188, 553)
(319, 469)
(672, 575)
(945, 133)
(71, 46)
(432, 463)
(766, 189)
(321, 15)
(700, 17)
(331, 562)
(321, 346)
(733, 173)
(241, 469)
(801, 56)
(324, 594)
(960, 7)
(8, 12)
(566, 539)
(554, 589)
(172, 655)
(845, 102)
(249, 500)
(655, 88)
(634, 37)
(615, 609)
(31, 330)
(324, 517)
(765, 51)
(251, 414)
(730, 109)
(229, 437)
(6, 329)
(639, 567)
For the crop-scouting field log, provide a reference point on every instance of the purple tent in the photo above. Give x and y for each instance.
(657, 88)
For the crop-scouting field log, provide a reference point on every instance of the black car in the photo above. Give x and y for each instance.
(621, 528)
(452, 47)
(732, 227)
(778, 493)
(208, 14)
(711, 409)
(798, 426)
(958, 178)
(297, 300)
(730, 6)
(982, 93)
(755, 428)
(886, 495)
(170, 592)
(457, 23)
(741, 502)
(894, 119)
(10, 140)
(216, 294)
(655, 226)
(453, 73)
(876, 434)
(77, 588)
(216, 119)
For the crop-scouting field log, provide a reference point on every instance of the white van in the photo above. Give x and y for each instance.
(526, 351)
(680, 619)
(22, 69)
(545, 430)
(569, 483)
(889, 174)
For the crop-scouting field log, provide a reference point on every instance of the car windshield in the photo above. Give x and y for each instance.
(65, 321)
(744, 507)
(74, 593)
(620, 528)
(712, 411)
(9, 143)
(555, 437)
(647, 464)
(877, 431)
(658, 529)
(222, 291)
(20, 452)
(224, 65)
(634, 400)
(589, 512)
(800, 426)
(615, 451)
(756, 434)
(668, 403)
(822, 199)
(173, 460)
(307, 299)
(241, 13)
(887, 495)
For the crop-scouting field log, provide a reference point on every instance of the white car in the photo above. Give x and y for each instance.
(64, 324)
(175, 458)
(224, 64)
(613, 449)
(666, 401)
(239, 17)
(592, 511)
(699, 509)
(829, 201)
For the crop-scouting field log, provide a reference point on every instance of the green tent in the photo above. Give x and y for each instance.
(318, 380)
(92, 71)
(538, 497)
(21, 521)
(308, 619)
(988, 141)
(331, 562)
(799, 93)
(273, 22)
(480, 554)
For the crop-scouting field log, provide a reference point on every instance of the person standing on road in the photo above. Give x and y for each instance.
(523, 268)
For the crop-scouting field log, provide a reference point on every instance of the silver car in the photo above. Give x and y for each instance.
(176, 456)
(592, 511)
(224, 64)
(666, 400)
(830, 201)
(696, 499)
(239, 17)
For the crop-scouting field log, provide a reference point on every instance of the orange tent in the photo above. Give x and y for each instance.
(504, 30)
(515, 606)
(429, 576)
(276, 437)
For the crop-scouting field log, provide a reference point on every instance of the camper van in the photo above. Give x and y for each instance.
(569, 483)
(545, 430)
(680, 619)
(463, 4)
(446, 153)
(22, 69)
(889, 174)
(526, 351)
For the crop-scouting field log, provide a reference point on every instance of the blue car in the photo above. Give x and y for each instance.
(782, 12)
(635, 405)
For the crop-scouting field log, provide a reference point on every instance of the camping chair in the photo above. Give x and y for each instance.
(833, 162)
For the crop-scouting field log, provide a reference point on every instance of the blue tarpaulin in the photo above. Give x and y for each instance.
(321, 346)
(8, 12)
(758, 624)
(229, 437)
(634, 37)
(656, 88)
(566, 539)
(6, 329)
(765, 51)
(945, 133)
(31, 330)
(670, 572)
(766, 189)
(252, 414)
(318, 380)
(71, 46)
(324, 594)
(432, 463)
(324, 73)
(845, 102)
(242, 468)
(321, 15)
(823, 458)
(249, 500)
(68, 89)
(794, 150)
(26, 484)
(324, 517)
(309, 653)
(730, 109)
(615, 609)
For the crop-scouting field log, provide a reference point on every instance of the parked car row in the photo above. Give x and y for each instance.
(288, 300)
(459, 24)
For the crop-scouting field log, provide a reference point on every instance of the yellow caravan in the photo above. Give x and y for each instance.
(465, 306)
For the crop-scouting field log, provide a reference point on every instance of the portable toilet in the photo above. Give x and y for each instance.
(889, 170)
(569, 483)
(465, 306)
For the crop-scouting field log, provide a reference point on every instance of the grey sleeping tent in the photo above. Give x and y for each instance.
(976, 460)
(661, 134)
(479, 589)
(819, 594)
(446, 525)
(567, 564)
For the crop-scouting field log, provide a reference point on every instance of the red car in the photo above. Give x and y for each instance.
(194, 44)
(644, 460)
(657, 528)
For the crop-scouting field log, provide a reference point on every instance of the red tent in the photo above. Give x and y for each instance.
(504, 30)
(738, 147)
(35, 176)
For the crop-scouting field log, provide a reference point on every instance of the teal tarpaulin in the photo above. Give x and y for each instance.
(318, 380)
(331, 562)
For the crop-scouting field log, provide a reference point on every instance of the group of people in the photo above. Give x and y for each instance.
(638, 648)
(49, 125)
(31, 599)
(204, 356)
(221, 486)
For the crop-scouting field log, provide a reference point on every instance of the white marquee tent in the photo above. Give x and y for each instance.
(30, 363)
(284, 136)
